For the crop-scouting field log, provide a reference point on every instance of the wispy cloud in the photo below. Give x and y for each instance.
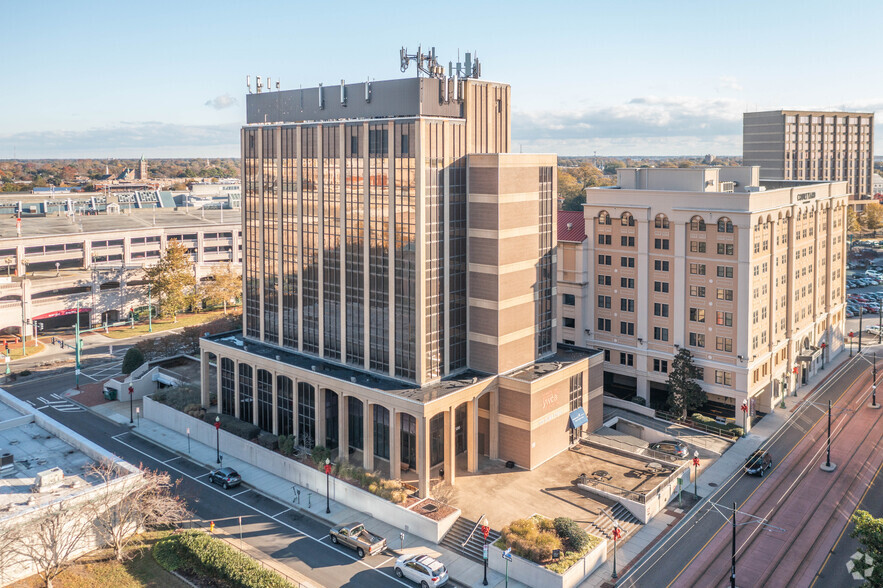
(128, 139)
(221, 102)
(729, 83)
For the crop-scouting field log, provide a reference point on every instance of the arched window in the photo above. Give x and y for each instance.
(627, 219)
(661, 221)
(697, 223)
(604, 218)
(724, 225)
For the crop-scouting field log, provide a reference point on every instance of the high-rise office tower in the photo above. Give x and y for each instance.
(399, 278)
(811, 145)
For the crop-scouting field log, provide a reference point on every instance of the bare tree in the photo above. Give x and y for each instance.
(9, 536)
(128, 505)
(51, 540)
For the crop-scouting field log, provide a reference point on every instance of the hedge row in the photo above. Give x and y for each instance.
(202, 554)
(233, 425)
(709, 422)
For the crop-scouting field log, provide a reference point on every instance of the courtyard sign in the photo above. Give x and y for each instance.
(806, 196)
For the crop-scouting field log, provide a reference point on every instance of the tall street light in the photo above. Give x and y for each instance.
(218, 436)
(696, 474)
(485, 530)
(327, 486)
(617, 534)
(744, 417)
(131, 403)
(874, 385)
(828, 466)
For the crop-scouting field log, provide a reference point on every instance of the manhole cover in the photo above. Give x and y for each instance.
(713, 484)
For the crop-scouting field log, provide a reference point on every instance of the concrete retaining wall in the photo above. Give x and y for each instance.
(533, 574)
(626, 405)
(298, 473)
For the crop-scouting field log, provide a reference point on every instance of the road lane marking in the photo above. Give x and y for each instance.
(173, 459)
(257, 510)
(383, 563)
(238, 493)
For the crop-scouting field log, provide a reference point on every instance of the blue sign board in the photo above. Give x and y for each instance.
(508, 554)
(578, 418)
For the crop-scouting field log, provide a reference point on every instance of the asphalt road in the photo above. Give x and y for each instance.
(272, 527)
(662, 564)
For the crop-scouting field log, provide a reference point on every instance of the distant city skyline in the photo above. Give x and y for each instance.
(616, 79)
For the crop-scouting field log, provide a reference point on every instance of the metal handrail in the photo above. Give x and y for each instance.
(616, 490)
(622, 445)
(698, 426)
(477, 525)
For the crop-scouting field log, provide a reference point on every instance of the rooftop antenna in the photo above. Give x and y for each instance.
(426, 63)
(248, 83)
(257, 84)
(278, 83)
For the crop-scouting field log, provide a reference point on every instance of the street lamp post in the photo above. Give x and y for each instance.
(874, 385)
(733, 573)
(188, 439)
(744, 417)
(861, 315)
(617, 533)
(485, 530)
(796, 370)
(149, 310)
(327, 485)
(824, 347)
(850, 343)
(828, 467)
(131, 403)
(696, 474)
(218, 436)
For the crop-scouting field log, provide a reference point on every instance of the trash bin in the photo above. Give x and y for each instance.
(110, 394)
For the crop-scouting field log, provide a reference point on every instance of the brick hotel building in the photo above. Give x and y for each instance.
(399, 282)
(748, 274)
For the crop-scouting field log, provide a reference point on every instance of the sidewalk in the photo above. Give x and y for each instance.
(718, 473)
(463, 571)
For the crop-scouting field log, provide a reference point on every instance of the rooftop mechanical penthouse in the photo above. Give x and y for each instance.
(399, 278)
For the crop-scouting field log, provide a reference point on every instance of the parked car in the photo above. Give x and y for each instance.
(356, 536)
(226, 477)
(758, 462)
(425, 570)
(672, 447)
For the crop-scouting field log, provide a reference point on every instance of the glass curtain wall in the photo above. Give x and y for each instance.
(434, 236)
(457, 248)
(331, 241)
(355, 420)
(355, 245)
(405, 195)
(306, 414)
(378, 244)
(310, 243)
(544, 266)
(332, 436)
(289, 222)
(285, 404)
(436, 440)
(250, 228)
(269, 227)
(228, 386)
(246, 393)
(409, 440)
(265, 400)
(381, 431)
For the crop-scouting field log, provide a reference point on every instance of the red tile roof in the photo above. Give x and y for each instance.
(571, 226)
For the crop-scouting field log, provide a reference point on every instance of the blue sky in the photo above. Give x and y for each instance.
(167, 79)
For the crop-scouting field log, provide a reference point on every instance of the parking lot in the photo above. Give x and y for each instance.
(864, 290)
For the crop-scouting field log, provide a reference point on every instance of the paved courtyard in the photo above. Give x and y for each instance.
(504, 495)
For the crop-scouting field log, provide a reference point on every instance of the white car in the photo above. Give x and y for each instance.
(425, 570)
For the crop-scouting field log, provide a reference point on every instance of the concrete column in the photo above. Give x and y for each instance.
(204, 380)
(236, 392)
(342, 428)
(423, 456)
(320, 416)
(493, 425)
(450, 451)
(395, 445)
(295, 407)
(472, 436)
(368, 436)
(275, 392)
(218, 382)
(254, 391)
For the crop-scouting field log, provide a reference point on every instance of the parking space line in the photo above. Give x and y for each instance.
(257, 510)
(173, 459)
(383, 563)
(243, 492)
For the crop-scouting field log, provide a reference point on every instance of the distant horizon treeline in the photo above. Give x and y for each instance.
(23, 174)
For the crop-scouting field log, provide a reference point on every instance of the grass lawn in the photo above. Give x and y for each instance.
(162, 324)
(15, 351)
(94, 570)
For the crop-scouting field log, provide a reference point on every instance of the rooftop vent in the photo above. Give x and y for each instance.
(353, 379)
(569, 226)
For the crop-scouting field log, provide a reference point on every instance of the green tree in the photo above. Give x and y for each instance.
(570, 190)
(172, 280)
(224, 286)
(611, 166)
(869, 531)
(684, 392)
(873, 216)
(132, 360)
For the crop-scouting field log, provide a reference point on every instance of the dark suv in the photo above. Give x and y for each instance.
(758, 462)
(671, 447)
(226, 477)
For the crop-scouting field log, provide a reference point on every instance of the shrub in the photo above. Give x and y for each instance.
(638, 400)
(576, 538)
(320, 454)
(233, 425)
(205, 555)
(709, 422)
(25, 373)
(286, 445)
(268, 440)
(132, 360)
(184, 398)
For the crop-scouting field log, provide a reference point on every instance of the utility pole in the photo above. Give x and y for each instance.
(861, 314)
(77, 345)
(828, 466)
(874, 385)
(733, 573)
